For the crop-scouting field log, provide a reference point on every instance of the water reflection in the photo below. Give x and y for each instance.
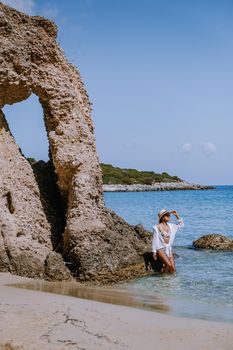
(107, 294)
(144, 293)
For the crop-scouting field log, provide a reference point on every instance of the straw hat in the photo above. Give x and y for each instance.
(163, 212)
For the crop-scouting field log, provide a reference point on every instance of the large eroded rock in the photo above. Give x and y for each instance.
(215, 242)
(25, 232)
(96, 243)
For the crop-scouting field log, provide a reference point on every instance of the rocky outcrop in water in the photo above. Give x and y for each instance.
(215, 242)
(56, 206)
(160, 186)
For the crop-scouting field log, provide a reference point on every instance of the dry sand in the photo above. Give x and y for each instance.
(40, 321)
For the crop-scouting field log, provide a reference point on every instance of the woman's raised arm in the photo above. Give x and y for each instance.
(179, 219)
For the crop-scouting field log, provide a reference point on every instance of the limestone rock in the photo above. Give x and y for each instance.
(157, 186)
(214, 242)
(96, 242)
(53, 205)
(24, 230)
(12, 346)
(110, 253)
(55, 268)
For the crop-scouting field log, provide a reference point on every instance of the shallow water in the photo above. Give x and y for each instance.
(203, 284)
(107, 294)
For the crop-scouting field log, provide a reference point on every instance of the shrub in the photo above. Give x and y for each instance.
(115, 175)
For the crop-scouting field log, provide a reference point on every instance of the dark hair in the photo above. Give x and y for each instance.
(160, 220)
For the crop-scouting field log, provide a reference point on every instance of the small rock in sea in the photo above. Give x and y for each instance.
(215, 242)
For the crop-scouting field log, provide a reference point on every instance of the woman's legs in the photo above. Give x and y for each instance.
(167, 261)
(171, 258)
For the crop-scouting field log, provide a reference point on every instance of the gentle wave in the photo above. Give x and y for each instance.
(203, 278)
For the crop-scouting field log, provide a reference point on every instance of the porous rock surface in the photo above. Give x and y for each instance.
(95, 243)
(25, 232)
(215, 242)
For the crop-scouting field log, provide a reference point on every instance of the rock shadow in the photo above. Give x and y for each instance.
(53, 204)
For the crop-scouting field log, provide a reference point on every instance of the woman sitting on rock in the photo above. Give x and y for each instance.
(163, 237)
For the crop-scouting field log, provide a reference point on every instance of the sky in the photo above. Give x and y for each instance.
(159, 74)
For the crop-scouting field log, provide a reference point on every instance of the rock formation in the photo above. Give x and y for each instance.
(159, 186)
(94, 241)
(25, 233)
(215, 242)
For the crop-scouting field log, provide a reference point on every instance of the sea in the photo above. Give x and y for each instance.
(202, 287)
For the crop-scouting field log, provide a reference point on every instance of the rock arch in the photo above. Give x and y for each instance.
(26, 122)
(32, 62)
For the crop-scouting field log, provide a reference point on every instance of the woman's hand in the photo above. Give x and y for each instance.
(155, 256)
(174, 212)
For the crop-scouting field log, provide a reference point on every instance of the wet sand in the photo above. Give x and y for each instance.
(36, 320)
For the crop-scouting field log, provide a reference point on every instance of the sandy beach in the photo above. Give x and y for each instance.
(160, 97)
(36, 320)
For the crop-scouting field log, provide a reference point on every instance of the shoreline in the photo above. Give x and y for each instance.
(36, 320)
(160, 186)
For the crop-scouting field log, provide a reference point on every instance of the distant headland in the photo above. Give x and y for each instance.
(117, 179)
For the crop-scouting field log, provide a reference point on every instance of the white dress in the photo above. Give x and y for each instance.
(158, 241)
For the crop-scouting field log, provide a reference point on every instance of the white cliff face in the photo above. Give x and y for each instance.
(158, 186)
(31, 61)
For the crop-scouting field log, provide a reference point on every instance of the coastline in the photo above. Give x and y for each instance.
(36, 320)
(159, 186)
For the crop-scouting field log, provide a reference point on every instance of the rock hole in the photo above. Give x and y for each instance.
(26, 123)
(20, 233)
(9, 202)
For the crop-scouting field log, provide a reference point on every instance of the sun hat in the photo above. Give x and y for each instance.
(163, 212)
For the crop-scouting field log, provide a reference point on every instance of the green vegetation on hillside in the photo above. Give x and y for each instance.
(31, 160)
(115, 175)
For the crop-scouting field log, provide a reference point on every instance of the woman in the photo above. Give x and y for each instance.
(163, 237)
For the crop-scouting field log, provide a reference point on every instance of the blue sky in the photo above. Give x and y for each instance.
(159, 74)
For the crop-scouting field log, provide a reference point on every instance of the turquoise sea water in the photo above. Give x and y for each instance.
(203, 284)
